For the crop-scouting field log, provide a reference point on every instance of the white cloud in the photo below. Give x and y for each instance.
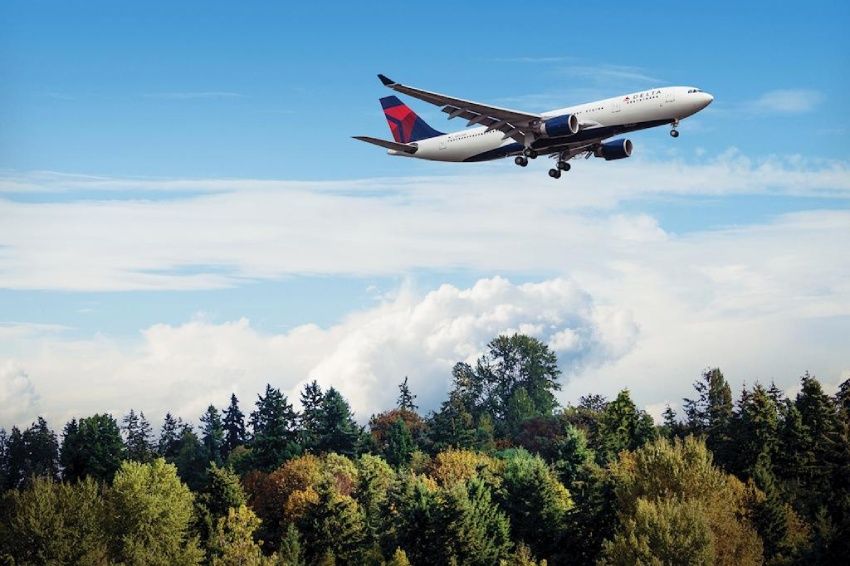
(185, 367)
(790, 101)
(504, 222)
(18, 398)
(193, 95)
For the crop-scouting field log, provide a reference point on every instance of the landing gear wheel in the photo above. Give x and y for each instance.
(563, 166)
(529, 153)
(521, 161)
(674, 133)
(555, 173)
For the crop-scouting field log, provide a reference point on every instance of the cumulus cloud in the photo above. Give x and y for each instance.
(18, 399)
(185, 367)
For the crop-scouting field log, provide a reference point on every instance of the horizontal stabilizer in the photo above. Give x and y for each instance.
(402, 147)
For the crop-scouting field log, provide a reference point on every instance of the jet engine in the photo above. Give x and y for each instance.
(557, 127)
(615, 149)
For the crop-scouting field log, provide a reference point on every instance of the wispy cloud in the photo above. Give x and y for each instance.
(545, 59)
(790, 101)
(607, 73)
(193, 95)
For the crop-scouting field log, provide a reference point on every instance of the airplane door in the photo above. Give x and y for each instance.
(443, 143)
(670, 97)
(615, 107)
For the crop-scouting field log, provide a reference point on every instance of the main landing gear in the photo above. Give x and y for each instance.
(674, 132)
(521, 161)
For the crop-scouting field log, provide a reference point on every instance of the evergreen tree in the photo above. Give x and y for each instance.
(474, 530)
(400, 445)
(622, 427)
(34, 453)
(755, 432)
(711, 412)
(190, 458)
(138, 437)
(169, 437)
(4, 458)
(212, 435)
(92, 447)
(290, 552)
(234, 427)
(274, 430)
(770, 513)
(15, 460)
(338, 432)
(223, 491)
(232, 542)
(335, 524)
(453, 425)
(671, 427)
(312, 401)
(405, 397)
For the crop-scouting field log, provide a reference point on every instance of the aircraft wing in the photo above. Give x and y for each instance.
(402, 147)
(512, 123)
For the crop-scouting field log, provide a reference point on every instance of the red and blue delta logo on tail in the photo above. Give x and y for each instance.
(405, 125)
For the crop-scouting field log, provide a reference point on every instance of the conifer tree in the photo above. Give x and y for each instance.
(212, 435)
(234, 427)
(711, 412)
(312, 401)
(169, 437)
(37, 454)
(138, 437)
(399, 444)
(275, 436)
(338, 432)
(405, 397)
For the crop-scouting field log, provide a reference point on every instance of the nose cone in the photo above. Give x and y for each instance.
(706, 99)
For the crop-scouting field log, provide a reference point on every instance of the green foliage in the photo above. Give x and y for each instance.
(335, 524)
(667, 531)
(622, 427)
(338, 432)
(35, 452)
(405, 397)
(312, 400)
(212, 435)
(274, 427)
(399, 558)
(150, 512)
(234, 427)
(400, 445)
(532, 496)
(711, 412)
(190, 459)
(474, 530)
(223, 491)
(91, 447)
(138, 437)
(54, 523)
(169, 437)
(232, 543)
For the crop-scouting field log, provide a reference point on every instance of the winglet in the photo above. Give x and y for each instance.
(386, 80)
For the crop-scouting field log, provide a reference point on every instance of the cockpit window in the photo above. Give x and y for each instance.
(694, 90)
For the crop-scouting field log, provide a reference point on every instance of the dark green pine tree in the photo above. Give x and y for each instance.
(41, 452)
(769, 515)
(234, 427)
(755, 429)
(312, 401)
(138, 437)
(223, 491)
(405, 397)
(710, 414)
(92, 447)
(212, 435)
(15, 458)
(169, 437)
(842, 401)
(400, 444)
(671, 426)
(190, 458)
(475, 531)
(275, 436)
(453, 426)
(338, 432)
(4, 460)
(622, 427)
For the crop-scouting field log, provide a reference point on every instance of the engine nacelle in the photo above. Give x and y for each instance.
(558, 127)
(615, 149)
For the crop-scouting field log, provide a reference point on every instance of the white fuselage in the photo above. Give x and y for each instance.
(598, 121)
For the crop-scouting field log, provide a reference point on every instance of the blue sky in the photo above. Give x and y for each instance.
(170, 169)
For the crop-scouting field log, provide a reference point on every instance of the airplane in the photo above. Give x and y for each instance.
(562, 134)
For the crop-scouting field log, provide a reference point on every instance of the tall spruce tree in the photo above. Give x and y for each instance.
(338, 432)
(234, 427)
(400, 444)
(138, 437)
(212, 435)
(405, 397)
(275, 436)
(312, 400)
(41, 452)
(710, 414)
(169, 436)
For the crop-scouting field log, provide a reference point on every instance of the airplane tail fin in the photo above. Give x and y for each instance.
(404, 123)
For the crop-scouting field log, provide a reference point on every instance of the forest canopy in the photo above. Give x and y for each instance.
(499, 473)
